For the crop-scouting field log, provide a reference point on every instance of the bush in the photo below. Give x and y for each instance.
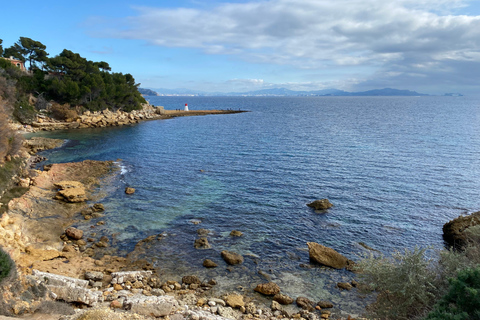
(63, 112)
(7, 267)
(462, 302)
(23, 111)
(406, 284)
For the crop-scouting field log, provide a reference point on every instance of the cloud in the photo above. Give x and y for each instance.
(400, 36)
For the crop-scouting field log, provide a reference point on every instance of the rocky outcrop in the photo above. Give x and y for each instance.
(71, 191)
(326, 256)
(455, 231)
(231, 258)
(322, 204)
(37, 144)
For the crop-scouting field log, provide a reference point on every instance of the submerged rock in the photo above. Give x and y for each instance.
(305, 303)
(283, 299)
(268, 289)
(231, 258)
(322, 204)
(326, 256)
(236, 233)
(201, 243)
(207, 263)
(129, 190)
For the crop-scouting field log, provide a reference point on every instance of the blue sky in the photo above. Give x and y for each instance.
(431, 46)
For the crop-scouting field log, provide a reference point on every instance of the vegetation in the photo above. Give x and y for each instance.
(409, 284)
(7, 267)
(68, 79)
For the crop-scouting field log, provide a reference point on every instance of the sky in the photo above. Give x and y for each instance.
(430, 46)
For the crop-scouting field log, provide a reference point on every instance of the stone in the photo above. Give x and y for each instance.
(322, 204)
(326, 256)
(455, 232)
(236, 233)
(269, 288)
(231, 258)
(344, 286)
(117, 287)
(201, 243)
(276, 306)
(228, 312)
(191, 280)
(129, 190)
(235, 301)
(94, 275)
(116, 304)
(74, 233)
(283, 299)
(72, 195)
(151, 305)
(98, 207)
(207, 263)
(325, 304)
(305, 304)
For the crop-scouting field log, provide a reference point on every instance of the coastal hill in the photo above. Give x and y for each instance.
(282, 92)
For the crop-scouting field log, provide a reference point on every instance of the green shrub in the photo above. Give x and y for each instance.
(406, 284)
(7, 267)
(23, 111)
(462, 301)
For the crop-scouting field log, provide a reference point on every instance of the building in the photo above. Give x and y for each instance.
(17, 63)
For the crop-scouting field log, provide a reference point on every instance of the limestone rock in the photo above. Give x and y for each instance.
(236, 233)
(231, 258)
(74, 233)
(325, 304)
(201, 243)
(151, 305)
(191, 280)
(268, 289)
(455, 232)
(283, 299)
(322, 204)
(207, 263)
(305, 304)
(94, 275)
(129, 190)
(235, 301)
(326, 256)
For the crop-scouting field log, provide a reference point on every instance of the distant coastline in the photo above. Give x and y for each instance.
(282, 92)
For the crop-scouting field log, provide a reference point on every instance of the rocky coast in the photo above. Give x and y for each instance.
(65, 273)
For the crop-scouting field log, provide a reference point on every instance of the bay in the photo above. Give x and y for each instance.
(395, 168)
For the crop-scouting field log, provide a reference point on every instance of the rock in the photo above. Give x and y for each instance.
(191, 280)
(116, 304)
(94, 275)
(203, 232)
(305, 304)
(98, 207)
(326, 256)
(228, 312)
(325, 304)
(117, 287)
(344, 285)
(236, 233)
(231, 258)
(129, 190)
(283, 299)
(207, 263)
(150, 305)
(235, 301)
(74, 233)
(455, 232)
(201, 243)
(322, 204)
(268, 289)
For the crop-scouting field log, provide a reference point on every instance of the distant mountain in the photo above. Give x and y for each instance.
(289, 93)
(147, 92)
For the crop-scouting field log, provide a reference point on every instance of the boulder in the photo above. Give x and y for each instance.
(191, 280)
(325, 304)
(305, 303)
(268, 289)
(236, 233)
(454, 231)
(201, 243)
(326, 256)
(129, 190)
(231, 258)
(322, 204)
(207, 263)
(283, 299)
(235, 301)
(74, 233)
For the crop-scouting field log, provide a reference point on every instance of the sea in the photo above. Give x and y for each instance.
(395, 168)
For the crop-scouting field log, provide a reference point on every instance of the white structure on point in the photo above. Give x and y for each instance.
(186, 107)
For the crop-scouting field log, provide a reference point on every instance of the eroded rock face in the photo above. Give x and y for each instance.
(326, 256)
(231, 258)
(322, 204)
(268, 289)
(454, 232)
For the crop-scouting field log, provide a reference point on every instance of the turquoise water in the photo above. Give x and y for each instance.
(395, 168)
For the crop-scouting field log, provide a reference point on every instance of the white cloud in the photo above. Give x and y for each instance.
(316, 34)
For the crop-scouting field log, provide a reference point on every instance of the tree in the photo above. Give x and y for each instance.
(31, 51)
(1, 48)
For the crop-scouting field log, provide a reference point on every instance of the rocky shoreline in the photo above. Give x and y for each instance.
(80, 274)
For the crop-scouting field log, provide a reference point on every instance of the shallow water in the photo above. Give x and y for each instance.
(395, 168)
